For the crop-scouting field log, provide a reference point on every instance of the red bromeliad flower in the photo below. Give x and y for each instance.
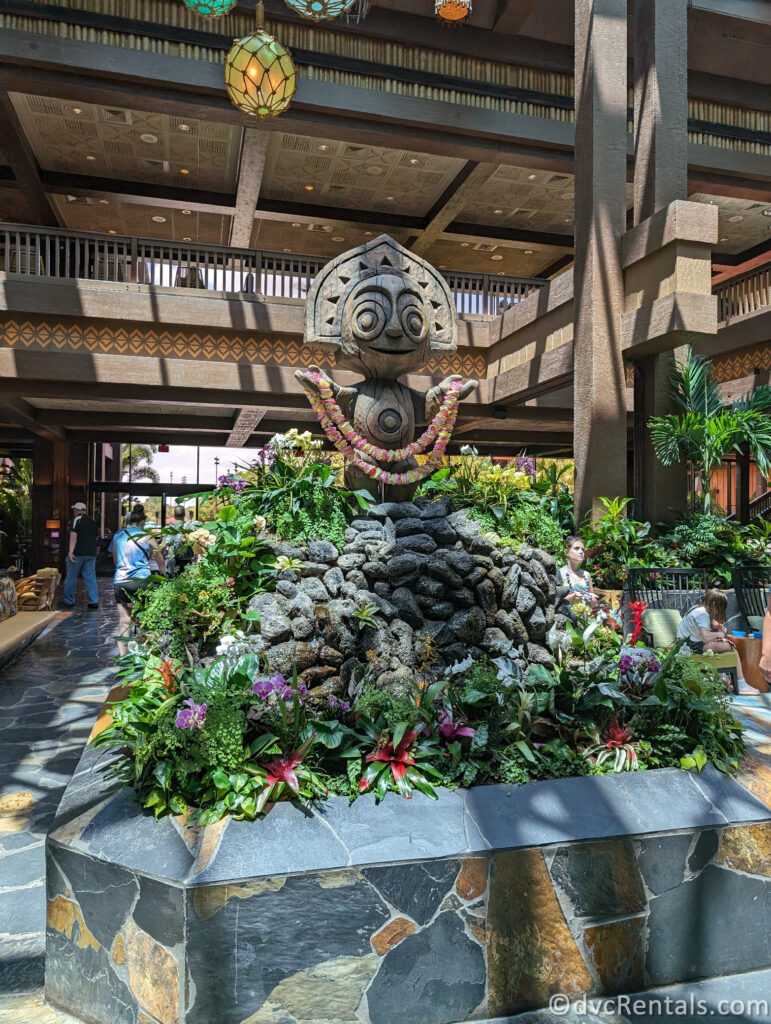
(399, 758)
(168, 676)
(450, 730)
(617, 735)
(282, 769)
(637, 608)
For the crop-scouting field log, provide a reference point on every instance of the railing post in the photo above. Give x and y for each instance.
(133, 267)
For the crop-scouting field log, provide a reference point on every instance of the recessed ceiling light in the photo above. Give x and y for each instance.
(389, 198)
(532, 177)
(184, 127)
(736, 219)
(184, 170)
(77, 110)
(287, 250)
(528, 252)
(567, 220)
(187, 238)
(89, 157)
(104, 202)
(187, 213)
(323, 147)
(767, 213)
(465, 245)
(111, 231)
(413, 160)
(338, 238)
(72, 199)
(368, 233)
(712, 202)
(149, 137)
(442, 266)
(497, 211)
(297, 225)
(723, 239)
(500, 273)
(496, 257)
(158, 219)
(374, 170)
(309, 188)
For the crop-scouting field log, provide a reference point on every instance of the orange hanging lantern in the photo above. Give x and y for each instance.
(453, 12)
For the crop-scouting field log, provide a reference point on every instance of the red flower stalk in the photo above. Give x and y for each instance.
(617, 735)
(637, 609)
(168, 676)
(282, 769)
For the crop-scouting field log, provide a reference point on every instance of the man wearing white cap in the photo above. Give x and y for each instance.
(83, 532)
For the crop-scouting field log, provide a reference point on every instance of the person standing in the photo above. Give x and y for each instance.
(132, 551)
(83, 533)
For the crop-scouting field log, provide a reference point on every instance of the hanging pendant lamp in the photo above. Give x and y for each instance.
(319, 10)
(210, 8)
(452, 12)
(260, 75)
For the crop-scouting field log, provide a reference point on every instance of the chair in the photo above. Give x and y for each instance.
(660, 626)
(752, 584)
(682, 589)
(36, 593)
(189, 277)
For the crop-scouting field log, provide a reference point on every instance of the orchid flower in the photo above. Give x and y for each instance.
(191, 717)
(450, 730)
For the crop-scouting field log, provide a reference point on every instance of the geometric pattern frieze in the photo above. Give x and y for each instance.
(191, 344)
(743, 362)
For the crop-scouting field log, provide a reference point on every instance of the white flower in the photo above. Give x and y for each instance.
(468, 449)
(132, 647)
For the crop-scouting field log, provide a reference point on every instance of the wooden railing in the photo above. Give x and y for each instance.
(744, 294)
(760, 506)
(49, 252)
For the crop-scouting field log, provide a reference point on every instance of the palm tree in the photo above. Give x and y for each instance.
(137, 462)
(707, 430)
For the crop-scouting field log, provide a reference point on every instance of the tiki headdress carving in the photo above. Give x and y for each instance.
(354, 292)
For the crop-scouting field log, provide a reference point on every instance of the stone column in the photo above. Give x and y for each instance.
(599, 432)
(660, 177)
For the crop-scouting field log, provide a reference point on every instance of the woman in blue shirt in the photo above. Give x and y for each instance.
(132, 551)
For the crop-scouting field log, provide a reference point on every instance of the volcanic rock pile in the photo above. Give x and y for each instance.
(416, 582)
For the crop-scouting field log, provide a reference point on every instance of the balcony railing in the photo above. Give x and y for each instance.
(48, 252)
(744, 294)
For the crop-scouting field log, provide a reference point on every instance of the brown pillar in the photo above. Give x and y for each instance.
(600, 219)
(660, 177)
(60, 477)
(743, 483)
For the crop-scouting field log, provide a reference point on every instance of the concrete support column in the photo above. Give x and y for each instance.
(600, 442)
(660, 177)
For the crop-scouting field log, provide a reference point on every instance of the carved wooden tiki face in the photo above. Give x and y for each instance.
(385, 326)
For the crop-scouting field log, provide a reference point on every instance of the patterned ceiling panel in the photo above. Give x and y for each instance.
(493, 257)
(741, 222)
(314, 238)
(329, 173)
(129, 145)
(110, 216)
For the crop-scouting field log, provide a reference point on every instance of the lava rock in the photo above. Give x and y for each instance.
(283, 657)
(407, 607)
(404, 643)
(322, 551)
(313, 569)
(357, 578)
(461, 561)
(466, 527)
(495, 641)
(286, 589)
(498, 578)
(289, 575)
(468, 625)
(303, 627)
(333, 580)
(350, 561)
(429, 587)
(274, 625)
(439, 508)
(314, 588)
(463, 597)
(538, 655)
(476, 576)
(439, 569)
(485, 592)
(301, 604)
(393, 510)
(363, 524)
(383, 589)
(525, 602)
(409, 527)
(375, 571)
(440, 530)
(512, 625)
(402, 568)
(481, 545)
(536, 625)
(421, 543)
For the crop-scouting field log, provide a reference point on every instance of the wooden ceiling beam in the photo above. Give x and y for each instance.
(244, 425)
(18, 152)
(17, 411)
(141, 193)
(251, 167)
(463, 187)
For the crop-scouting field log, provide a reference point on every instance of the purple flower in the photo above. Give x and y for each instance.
(450, 730)
(276, 684)
(525, 464)
(625, 662)
(191, 717)
(238, 486)
(336, 704)
(653, 665)
(265, 457)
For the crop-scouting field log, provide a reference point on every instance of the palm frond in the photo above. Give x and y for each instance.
(694, 385)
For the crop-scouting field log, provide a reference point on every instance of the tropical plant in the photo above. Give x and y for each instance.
(137, 462)
(706, 430)
(614, 543)
(15, 507)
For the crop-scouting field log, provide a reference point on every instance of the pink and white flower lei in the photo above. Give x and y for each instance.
(350, 443)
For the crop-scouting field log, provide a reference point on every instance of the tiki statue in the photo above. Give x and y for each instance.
(385, 311)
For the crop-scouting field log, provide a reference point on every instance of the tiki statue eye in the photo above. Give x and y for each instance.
(369, 318)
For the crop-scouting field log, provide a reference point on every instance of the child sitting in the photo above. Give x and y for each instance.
(705, 630)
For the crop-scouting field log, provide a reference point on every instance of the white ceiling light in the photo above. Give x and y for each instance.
(496, 257)
(184, 127)
(338, 238)
(532, 177)
(104, 202)
(497, 211)
(187, 238)
(323, 147)
(187, 212)
(158, 219)
(111, 231)
(528, 252)
(735, 219)
(149, 138)
(90, 158)
(465, 245)
(76, 110)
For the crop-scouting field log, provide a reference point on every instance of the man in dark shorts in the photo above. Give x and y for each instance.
(83, 535)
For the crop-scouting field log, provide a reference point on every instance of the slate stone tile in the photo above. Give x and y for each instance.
(598, 806)
(23, 910)
(104, 892)
(433, 976)
(704, 850)
(718, 923)
(123, 834)
(416, 890)
(734, 802)
(399, 829)
(240, 953)
(600, 879)
(72, 971)
(615, 951)
(662, 860)
(22, 868)
(286, 840)
(160, 911)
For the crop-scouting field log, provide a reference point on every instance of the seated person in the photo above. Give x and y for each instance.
(705, 630)
(571, 575)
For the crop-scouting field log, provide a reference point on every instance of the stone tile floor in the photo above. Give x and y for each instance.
(49, 698)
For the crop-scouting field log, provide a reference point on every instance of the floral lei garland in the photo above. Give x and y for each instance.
(350, 443)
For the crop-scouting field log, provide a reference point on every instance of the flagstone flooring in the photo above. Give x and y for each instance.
(49, 698)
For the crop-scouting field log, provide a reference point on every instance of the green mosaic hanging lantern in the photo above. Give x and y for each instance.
(260, 75)
(210, 8)
(319, 10)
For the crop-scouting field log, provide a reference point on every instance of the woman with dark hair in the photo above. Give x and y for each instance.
(132, 551)
(572, 575)
(704, 629)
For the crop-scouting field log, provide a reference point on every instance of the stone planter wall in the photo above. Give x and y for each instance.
(480, 904)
